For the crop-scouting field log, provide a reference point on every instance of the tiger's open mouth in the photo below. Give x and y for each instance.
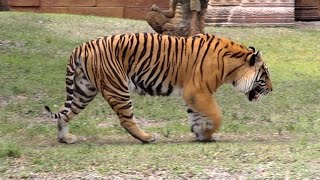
(253, 95)
(256, 93)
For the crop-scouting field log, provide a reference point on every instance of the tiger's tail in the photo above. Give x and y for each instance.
(51, 114)
(79, 92)
(65, 112)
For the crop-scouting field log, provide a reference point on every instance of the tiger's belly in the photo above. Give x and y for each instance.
(154, 89)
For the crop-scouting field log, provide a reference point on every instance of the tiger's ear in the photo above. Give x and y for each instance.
(255, 58)
(252, 48)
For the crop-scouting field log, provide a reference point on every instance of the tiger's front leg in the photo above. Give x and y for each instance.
(199, 124)
(203, 113)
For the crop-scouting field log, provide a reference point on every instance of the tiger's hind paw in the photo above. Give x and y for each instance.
(68, 139)
(153, 138)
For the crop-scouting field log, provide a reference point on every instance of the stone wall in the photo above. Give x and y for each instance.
(251, 12)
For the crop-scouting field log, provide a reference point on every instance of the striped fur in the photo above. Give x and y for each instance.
(160, 65)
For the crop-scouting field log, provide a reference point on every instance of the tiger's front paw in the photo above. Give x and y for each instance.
(68, 139)
(203, 135)
(207, 139)
(203, 131)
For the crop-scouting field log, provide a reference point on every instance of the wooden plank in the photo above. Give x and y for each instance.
(24, 9)
(3, 3)
(23, 2)
(161, 3)
(307, 10)
(68, 3)
(111, 3)
(138, 3)
(97, 11)
(136, 13)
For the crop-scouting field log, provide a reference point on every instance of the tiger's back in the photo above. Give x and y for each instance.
(145, 61)
(154, 64)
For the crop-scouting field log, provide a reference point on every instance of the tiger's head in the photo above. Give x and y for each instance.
(253, 79)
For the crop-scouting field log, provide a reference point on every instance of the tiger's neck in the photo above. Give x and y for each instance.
(209, 60)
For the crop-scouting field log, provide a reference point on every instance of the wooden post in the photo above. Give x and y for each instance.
(183, 18)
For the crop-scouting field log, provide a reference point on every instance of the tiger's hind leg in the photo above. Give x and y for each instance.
(80, 92)
(120, 102)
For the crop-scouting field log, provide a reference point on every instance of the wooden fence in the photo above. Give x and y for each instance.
(132, 9)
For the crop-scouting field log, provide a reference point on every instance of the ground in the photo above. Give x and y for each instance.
(277, 138)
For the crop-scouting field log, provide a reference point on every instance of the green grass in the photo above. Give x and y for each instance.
(277, 138)
(10, 150)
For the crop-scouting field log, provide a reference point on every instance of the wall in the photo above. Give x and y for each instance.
(307, 10)
(220, 12)
(133, 9)
(251, 12)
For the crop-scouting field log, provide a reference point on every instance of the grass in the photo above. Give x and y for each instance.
(10, 150)
(277, 138)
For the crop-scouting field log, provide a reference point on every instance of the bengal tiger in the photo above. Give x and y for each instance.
(154, 64)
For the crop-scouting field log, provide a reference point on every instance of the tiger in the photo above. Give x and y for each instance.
(160, 65)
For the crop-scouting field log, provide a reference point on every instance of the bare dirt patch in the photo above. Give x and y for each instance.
(17, 171)
(5, 101)
(9, 44)
(159, 174)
